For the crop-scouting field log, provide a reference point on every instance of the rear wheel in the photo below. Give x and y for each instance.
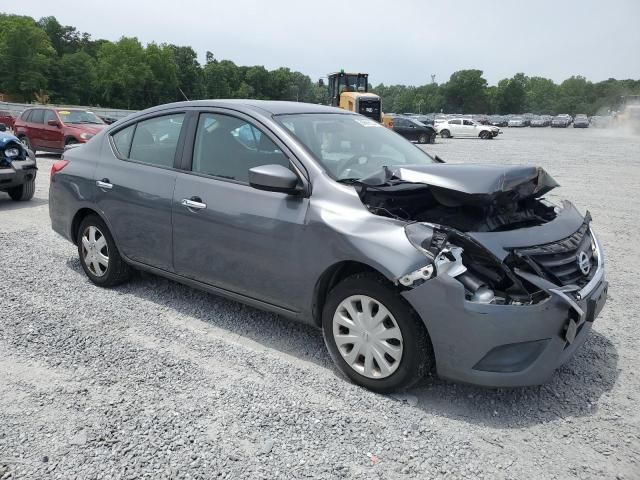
(445, 134)
(99, 256)
(23, 192)
(373, 336)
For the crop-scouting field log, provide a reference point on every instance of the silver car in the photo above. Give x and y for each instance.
(406, 263)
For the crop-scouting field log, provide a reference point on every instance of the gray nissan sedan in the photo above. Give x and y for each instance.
(406, 263)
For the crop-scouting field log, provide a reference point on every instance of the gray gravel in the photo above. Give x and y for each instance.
(157, 380)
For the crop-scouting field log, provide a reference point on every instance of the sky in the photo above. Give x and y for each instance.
(395, 41)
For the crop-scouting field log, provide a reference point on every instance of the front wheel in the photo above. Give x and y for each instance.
(432, 139)
(27, 144)
(99, 256)
(373, 336)
(445, 134)
(23, 192)
(423, 138)
(485, 135)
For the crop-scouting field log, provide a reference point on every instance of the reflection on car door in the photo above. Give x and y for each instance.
(456, 127)
(236, 237)
(135, 191)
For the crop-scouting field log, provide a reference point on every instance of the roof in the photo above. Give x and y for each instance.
(271, 107)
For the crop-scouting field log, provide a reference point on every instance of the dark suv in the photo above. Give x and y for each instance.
(51, 129)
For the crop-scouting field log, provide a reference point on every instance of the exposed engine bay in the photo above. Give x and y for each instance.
(510, 199)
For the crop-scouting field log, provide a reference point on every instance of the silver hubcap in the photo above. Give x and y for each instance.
(95, 252)
(367, 336)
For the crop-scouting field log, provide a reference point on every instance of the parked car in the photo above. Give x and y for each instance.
(7, 118)
(538, 122)
(17, 168)
(414, 130)
(51, 129)
(406, 263)
(581, 121)
(560, 122)
(108, 120)
(517, 122)
(462, 127)
(498, 121)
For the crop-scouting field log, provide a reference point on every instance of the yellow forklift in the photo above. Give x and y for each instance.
(350, 91)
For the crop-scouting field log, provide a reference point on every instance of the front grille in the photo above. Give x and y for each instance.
(559, 261)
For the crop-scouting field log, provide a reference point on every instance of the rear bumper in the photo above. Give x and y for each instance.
(17, 174)
(504, 345)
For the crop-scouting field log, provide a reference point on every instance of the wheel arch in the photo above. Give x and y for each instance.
(68, 138)
(80, 215)
(331, 277)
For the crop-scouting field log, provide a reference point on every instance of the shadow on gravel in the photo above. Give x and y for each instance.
(6, 204)
(573, 391)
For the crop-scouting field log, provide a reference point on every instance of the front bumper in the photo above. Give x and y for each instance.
(17, 174)
(506, 345)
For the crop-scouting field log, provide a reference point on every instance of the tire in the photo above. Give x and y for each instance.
(445, 134)
(432, 139)
(70, 141)
(23, 192)
(27, 144)
(415, 357)
(485, 135)
(116, 270)
(423, 138)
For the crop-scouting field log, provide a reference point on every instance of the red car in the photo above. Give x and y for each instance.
(7, 118)
(51, 129)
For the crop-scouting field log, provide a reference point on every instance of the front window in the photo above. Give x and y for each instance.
(351, 147)
(79, 116)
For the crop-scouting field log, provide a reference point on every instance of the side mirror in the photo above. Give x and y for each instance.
(274, 178)
(3, 127)
(53, 123)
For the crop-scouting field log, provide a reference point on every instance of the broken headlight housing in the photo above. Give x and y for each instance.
(453, 253)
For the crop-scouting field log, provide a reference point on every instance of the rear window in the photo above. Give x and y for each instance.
(37, 116)
(155, 140)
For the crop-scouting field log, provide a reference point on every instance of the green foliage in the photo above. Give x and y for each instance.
(47, 59)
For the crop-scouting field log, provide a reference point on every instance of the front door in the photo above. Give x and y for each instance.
(234, 236)
(135, 188)
(52, 136)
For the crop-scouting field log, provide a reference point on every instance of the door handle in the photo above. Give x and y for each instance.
(104, 184)
(193, 204)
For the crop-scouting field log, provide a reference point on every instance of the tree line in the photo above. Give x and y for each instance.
(49, 62)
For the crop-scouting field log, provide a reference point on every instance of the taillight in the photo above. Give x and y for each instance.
(56, 167)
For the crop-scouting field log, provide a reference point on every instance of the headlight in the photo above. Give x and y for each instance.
(12, 152)
(86, 136)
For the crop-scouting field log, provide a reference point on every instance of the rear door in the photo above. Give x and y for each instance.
(238, 238)
(135, 186)
(35, 127)
(455, 126)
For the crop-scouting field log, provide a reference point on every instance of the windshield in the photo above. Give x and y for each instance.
(350, 147)
(79, 116)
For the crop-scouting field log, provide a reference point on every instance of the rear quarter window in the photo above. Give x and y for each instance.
(122, 140)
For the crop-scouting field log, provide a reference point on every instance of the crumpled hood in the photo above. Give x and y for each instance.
(463, 183)
(6, 138)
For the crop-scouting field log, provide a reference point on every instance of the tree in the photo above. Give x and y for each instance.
(188, 71)
(79, 71)
(511, 94)
(466, 92)
(25, 55)
(161, 84)
(122, 74)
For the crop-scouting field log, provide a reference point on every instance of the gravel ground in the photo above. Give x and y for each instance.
(156, 380)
